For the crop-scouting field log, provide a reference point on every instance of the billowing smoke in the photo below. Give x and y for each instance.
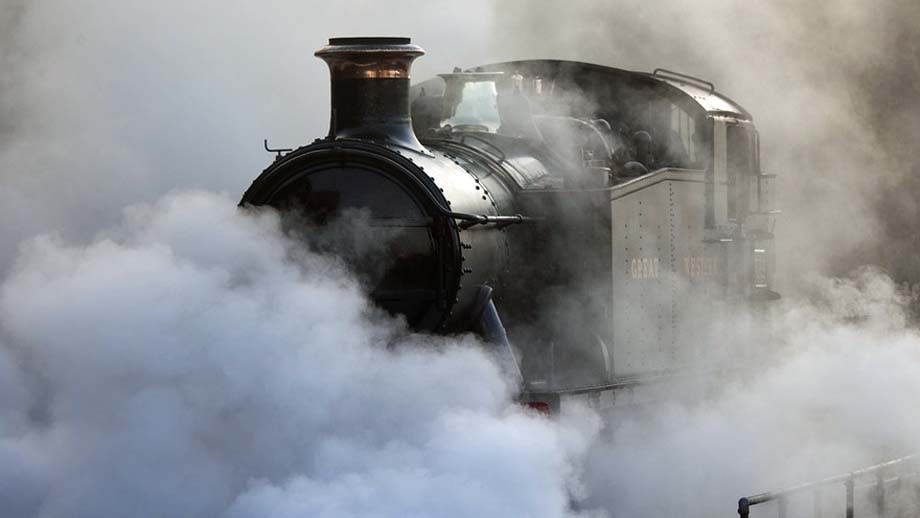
(179, 358)
(194, 362)
(834, 389)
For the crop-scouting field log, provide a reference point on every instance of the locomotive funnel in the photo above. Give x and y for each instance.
(370, 88)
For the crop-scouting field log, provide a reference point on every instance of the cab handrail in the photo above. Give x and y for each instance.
(663, 72)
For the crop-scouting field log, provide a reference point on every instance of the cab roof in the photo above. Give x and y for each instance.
(694, 90)
(703, 93)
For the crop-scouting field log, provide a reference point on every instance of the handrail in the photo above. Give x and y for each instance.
(500, 155)
(277, 151)
(849, 480)
(663, 72)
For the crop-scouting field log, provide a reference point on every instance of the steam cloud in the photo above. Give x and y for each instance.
(202, 364)
(179, 358)
(833, 388)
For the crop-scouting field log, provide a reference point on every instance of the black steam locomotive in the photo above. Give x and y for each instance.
(593, 213)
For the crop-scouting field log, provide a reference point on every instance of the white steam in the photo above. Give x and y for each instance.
(201, 364)
(837, 389)
(185, 359)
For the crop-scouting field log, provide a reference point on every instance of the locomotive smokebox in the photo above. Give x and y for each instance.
(370, 88)
(436, 229)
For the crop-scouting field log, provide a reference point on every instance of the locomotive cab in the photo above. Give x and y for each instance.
(649, 200)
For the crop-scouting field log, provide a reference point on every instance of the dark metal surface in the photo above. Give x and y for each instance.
(318, 182)
(465, 234)
(370, 88)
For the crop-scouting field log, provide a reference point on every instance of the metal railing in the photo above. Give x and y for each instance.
(849, 481)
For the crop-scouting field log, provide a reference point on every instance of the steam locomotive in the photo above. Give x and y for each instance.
(580, 218)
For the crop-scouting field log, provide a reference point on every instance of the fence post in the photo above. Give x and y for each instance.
(850, 486)
(880, 493)
(744, 508)
(818, 510)
(899, 496)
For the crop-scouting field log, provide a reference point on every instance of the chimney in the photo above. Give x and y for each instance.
(370, 88)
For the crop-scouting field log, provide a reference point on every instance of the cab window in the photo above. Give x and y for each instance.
(477, 106)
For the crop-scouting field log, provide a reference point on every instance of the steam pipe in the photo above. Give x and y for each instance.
(850, 485)
(492, 330)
